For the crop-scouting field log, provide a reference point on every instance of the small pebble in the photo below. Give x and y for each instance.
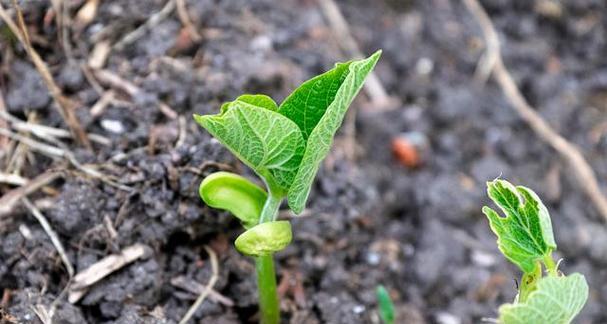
(373, 258)
(261, 43)
(482, 259)
(424, 66)
(410, 148)
(447, 318)
(113, 126)
(358, 309)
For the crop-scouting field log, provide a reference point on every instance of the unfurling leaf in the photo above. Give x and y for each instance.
(265, 238)
(524, 235)
(263, 139)
(557, 300)
(318, 107)
(236, 194)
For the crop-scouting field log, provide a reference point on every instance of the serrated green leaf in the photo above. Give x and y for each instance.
(525, 234)
(320, 115)
(557, 300)
(236, 194)
(265, 238)
(266, 141)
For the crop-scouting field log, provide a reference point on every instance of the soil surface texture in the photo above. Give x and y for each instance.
(415, 227)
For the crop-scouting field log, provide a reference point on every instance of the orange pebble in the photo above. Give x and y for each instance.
(405, 152)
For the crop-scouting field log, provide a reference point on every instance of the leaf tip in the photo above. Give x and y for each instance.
(374, 57)
(295, 204)
(377, 53)
(200, 119)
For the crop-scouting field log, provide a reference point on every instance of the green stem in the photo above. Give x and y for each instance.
(269, 306)
(550, 265)
(529, 282)
(266, 284)
(270, 208)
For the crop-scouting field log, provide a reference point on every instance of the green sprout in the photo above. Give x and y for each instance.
(525, 238)
(284, 145)
(385, 305)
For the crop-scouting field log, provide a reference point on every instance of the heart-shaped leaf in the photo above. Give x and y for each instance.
(557, 300)
(266, 141)
(265, 238)
(525, 235)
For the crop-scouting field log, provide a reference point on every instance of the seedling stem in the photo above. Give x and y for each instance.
(269, 305)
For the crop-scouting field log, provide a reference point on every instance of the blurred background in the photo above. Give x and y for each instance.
(99, 155)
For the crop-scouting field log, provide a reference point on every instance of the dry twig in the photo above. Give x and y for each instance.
(208, 288)
(62, 19)
(183, 131)
(196, 288)
(66, 106)
(46, 132)
(4, 141)
(19, 151)
(112, 79)
(51, 234)
(86, 14)
(12, 179)
(102, 269)
(56, 152)
(373, 86)
(494, 63)
(182, 12)
(99, 54)
(154, 20)
(45, 316)
(10, 199)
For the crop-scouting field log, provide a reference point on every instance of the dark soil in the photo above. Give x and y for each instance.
(370, 220)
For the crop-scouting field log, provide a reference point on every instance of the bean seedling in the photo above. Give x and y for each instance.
(284, 146)
(525, 238)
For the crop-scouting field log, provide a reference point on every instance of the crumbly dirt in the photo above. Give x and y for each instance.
(370, 220)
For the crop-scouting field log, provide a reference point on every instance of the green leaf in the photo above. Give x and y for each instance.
(265, 238)
(259, 100)
(263, 139)
(318, 108)
(386, 307)
(309, 102)
(525, 234)
(236, 194)
(557, 300)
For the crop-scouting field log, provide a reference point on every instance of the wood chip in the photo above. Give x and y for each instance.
(102, 268)
(87, 13)
(99, 55)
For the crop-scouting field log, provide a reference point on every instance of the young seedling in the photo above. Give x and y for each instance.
(284, 145)
(385, 305)
(525, 238)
